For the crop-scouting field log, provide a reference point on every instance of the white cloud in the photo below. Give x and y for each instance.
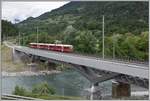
(23, 10)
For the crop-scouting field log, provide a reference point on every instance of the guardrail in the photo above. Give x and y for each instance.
(17, 97)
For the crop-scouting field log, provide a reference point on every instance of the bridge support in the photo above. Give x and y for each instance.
(95, 77)
(120, 89)
(95, 92)
(18, 57)
(51, 65)
(15, 56)
(32, 66)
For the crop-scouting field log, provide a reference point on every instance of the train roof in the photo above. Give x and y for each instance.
(52, 44)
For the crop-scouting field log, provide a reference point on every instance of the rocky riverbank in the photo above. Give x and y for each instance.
(29, 73)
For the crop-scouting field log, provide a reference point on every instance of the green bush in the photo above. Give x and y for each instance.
(43, 89)
(20, 91)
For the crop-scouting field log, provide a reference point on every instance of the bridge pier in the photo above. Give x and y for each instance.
(51, 65)
(95, 92)
(15, 56)
(120, 89)
(18, 57)
(32, 66)
(95, 77)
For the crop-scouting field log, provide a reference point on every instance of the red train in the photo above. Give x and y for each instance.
(52, 47)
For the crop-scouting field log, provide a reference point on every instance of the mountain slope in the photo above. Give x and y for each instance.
(120, 17)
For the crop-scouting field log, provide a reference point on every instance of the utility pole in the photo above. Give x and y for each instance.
(103, 52)
(46, 38)
(113, 46)
(23, 38)
(37, 37)
(7, 37)
(19, 38)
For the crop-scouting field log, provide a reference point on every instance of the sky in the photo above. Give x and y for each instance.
(23, 10)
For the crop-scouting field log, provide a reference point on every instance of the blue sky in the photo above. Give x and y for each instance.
(23, 10)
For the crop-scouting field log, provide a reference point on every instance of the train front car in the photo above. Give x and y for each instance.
(63, 48)
(67, 48)
(33, 45)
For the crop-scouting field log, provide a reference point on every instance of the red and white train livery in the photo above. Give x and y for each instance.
(52, 47)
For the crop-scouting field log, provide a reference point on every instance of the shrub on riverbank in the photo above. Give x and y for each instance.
(39, 89)
(42, 91)
(20, 91)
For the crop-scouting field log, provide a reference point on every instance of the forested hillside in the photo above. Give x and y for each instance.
(80, 24)
(8, 29)
(120, 17)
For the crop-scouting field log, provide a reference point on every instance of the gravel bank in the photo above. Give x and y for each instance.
(29, 73)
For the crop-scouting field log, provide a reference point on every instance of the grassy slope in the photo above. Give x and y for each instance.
(7, 63)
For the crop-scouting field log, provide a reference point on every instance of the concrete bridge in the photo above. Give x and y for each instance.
(95, 69)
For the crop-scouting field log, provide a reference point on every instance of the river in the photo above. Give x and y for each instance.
(69, 83)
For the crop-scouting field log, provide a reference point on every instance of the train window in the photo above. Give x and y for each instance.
(66, 47)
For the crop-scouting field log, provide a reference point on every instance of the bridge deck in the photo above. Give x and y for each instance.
(139, 70)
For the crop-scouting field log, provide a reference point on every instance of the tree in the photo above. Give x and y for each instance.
(43, 89)
(85, 42)
(19, 90)
(8, 29)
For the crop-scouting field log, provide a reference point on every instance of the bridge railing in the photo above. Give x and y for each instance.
(124, 59)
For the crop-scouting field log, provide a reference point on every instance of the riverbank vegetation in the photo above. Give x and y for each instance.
(42, 91)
